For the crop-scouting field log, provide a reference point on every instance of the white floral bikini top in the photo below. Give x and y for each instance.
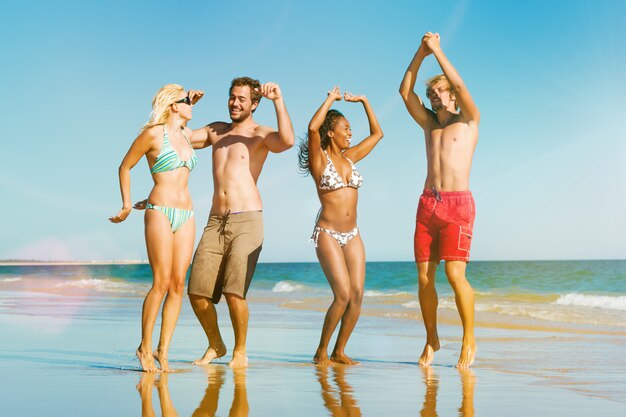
(332, 181)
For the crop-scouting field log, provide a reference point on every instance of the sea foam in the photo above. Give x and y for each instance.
(98, 285)
(607, 302)
(374, 293)
(286, 286)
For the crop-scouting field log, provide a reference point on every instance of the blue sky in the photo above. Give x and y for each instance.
(549, 172)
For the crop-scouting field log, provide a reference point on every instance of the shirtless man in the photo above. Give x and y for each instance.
(445, 214)
(226, 256)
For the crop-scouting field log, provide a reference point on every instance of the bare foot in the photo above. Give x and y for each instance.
(468, 353)
(322, 359)
(343, 359)
(240, 360)
(210, 354)
(161, 358)
(145, 384)
(428, 355)
(146, 361)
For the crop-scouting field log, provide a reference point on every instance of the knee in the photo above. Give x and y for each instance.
(342, 297)
(198, 303)
(161, 286)
(455, 278)
(177, 286)
(425, 282)
(356, 296)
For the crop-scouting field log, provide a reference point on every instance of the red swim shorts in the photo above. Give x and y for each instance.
(443, 226)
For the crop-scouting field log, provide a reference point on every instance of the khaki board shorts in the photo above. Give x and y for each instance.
(226, 256)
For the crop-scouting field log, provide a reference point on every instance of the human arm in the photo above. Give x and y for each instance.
(283, 139)
(360, 151)
(469, 110)
(141, 205)
(139, 148)
(315, 140)
(200, 138)
(413, 103)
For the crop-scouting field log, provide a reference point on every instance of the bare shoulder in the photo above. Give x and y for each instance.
(151, 134)
(263, 131)
(218, 128)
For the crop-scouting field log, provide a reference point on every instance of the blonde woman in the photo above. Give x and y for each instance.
(329, 158)
(169, 221)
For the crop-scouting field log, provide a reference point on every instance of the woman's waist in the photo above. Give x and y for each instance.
(341, 221)
(170, 197)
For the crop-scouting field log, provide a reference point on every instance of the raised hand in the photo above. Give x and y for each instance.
(120, 216)
(270, 91)
(432, 41)
(423, 49)
(335, 93)
(352, 98)
(195, 95)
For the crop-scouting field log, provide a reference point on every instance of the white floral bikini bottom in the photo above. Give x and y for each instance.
(341, 237)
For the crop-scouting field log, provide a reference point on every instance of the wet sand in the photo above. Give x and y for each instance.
(73, 355)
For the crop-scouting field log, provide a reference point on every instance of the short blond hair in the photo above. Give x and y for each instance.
(441, 77)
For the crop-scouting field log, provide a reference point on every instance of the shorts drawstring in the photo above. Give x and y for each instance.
(223, 223)
(437, 195)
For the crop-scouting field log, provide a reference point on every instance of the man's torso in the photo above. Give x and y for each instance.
(449, 150)
(238, 158)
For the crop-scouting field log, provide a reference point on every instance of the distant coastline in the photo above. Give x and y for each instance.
(21, 262)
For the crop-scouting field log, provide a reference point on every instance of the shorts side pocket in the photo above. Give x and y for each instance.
(465, 239)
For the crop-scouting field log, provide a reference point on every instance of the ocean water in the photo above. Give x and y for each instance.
(551, 339)
(589, 294)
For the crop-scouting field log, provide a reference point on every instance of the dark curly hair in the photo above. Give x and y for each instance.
(330, 121)
(253, 84)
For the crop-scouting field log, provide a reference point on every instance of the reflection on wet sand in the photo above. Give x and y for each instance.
(216, 377)
(431, 380)
(338, 401)
(146, 383)
(216, 374)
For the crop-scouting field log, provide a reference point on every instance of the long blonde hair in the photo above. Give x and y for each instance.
(161, 105)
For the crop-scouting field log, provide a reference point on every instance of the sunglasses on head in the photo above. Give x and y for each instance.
(185, 100)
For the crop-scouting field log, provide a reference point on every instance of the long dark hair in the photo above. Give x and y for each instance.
(330, 121)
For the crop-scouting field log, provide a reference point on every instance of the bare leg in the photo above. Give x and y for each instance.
(167, 406)
(240, 406)
(464, 298)
(468, 380)
(349, 404)
(208, 405)
(354, 254)
(206, 314)
(159, 243)
(429, 408)
(238, 308)
(333, 264)
(183, 244)
(428, 304)
(145, 385)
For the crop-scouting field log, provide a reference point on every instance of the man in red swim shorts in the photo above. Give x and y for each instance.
(445, 214)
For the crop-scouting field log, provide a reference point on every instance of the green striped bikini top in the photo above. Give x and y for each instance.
(168, 159)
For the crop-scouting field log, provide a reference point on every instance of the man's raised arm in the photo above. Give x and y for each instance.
(283, 139)
(413, 103)
(469, 110)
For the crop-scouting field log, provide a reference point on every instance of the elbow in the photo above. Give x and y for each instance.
(404, 91)
(313, 129)
(123, 169)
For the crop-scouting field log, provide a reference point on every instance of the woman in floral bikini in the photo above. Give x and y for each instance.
(328, 157)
